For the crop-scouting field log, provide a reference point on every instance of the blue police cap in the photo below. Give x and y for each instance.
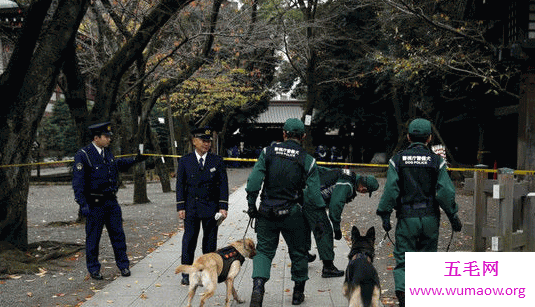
(101, 128)
(204, 133)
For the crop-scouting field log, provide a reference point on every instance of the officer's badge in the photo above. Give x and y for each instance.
(79, 166)
(207, 132)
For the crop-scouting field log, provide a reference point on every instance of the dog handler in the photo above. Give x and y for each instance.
(338, 187)
(417, 184)
(285, 169)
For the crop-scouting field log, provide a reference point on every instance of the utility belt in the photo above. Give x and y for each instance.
(98, 199)
(416, 210)
(276, 208)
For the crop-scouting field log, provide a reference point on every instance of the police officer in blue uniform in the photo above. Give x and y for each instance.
(95, 173)
(201, 193)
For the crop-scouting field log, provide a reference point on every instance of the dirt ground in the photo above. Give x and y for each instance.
(65, 282)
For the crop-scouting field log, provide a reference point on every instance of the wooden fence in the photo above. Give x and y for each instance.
(514, 229)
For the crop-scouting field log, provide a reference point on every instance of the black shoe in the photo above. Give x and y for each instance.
(401, 298)
(298, 297)
(331, 271)
(258, 292)
(299, 293)
(185, 279)
(96, 275)
(311, 257)
(125, 272)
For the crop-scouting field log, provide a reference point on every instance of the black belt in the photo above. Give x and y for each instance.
(416, 210)
(97, 199)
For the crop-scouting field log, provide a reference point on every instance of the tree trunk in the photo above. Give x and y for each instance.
(75, 95)
(312, 92)
(76, 99)
(140, 180)
(140, 184)
(526, 126)
(398, 115)
(24, 112)
(161, 168)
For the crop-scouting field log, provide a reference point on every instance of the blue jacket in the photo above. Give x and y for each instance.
(93, 174)
(202, 193)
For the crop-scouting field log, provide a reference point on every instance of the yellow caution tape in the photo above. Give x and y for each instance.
(341, 164)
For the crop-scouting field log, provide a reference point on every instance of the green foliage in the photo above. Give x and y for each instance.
(57, 132)
(214, 90)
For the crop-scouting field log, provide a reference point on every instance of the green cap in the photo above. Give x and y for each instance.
(294, 125)
(420, 127)
(371, 184)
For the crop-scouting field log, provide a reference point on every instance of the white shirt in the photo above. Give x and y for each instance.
(199, 157)
(98, 149)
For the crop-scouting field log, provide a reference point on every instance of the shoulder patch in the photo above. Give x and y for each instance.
(79, 166)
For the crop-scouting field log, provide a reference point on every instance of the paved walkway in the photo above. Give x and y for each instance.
(154, 282)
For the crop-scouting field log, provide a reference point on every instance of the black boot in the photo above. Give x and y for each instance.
(401, 298)
(185, 279)
(299, 293)
(329, 270)
(311, 257)
(258, 292)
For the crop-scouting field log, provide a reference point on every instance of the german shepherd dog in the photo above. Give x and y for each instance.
(361, 285)
(222, 265)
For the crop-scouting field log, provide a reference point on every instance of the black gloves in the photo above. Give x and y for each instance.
(319, 228)
(84, 210)
(140, 158)
(386, 223)
(337, 234)
(252, 211)
(456, 224)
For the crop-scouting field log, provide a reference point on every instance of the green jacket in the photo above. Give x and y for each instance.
(445, 191)
(256, 178)
(341, 194)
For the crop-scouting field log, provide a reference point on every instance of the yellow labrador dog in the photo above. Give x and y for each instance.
(222, 265)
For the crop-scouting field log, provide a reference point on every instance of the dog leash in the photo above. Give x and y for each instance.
(387, 235)
(451, 240)
(249, 224)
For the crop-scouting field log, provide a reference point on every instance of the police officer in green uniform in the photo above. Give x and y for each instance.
(417, 185)
(285, 169)
(338, 187)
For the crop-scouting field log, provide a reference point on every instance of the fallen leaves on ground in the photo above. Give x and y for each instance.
(42, 272)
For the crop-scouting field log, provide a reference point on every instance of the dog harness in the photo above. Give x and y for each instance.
(229, 255)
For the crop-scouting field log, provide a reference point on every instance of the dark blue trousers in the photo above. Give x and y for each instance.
(192, 227)
(109, 213)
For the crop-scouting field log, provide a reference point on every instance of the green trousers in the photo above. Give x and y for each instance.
(415, 234)
(318, 223)
(292, 228)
